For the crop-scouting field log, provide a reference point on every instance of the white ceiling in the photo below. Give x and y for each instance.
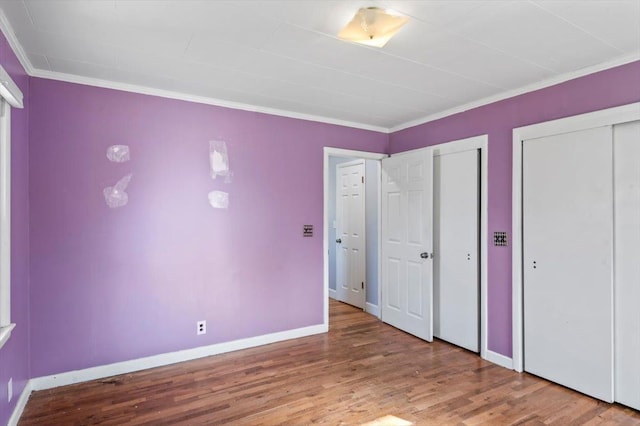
(284, 55)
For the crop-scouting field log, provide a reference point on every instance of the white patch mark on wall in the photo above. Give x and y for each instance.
(219, 159)
(115, 196)
(118, 153)
(219, 199)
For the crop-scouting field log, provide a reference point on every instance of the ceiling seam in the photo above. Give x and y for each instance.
(413, 61)
(520, 91)
(510, 55)
(578, 27)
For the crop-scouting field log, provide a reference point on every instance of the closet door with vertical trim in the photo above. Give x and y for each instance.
(626, 148)
(567, 256)
(456, 284)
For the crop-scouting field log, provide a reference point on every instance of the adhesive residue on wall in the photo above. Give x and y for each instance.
(118, 153)
(219, 199)
(218, 159)
(115, 196)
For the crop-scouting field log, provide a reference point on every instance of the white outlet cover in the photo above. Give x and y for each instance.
(201, 327)
(10, 389)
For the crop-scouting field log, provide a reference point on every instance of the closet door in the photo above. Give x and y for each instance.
(455, 264)
(567, 255)
(626, 148)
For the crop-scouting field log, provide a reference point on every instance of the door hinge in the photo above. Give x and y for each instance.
(362, 179)
(363, 285)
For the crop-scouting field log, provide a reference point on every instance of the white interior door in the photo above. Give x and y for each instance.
(350, 233)
(567, 256)
(407, 242)
(626, 150)
(456, 262)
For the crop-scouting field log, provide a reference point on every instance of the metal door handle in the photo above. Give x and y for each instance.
(424, 255)
(339, 241)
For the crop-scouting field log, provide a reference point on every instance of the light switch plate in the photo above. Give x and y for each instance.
(500, 239)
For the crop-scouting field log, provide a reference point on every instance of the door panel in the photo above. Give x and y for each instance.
(350, 231)
(407, 216)
(456, 261)
(627, 265)
(567, 256)
(393, 276)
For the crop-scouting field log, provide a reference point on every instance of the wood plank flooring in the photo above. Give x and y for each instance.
(360, 371)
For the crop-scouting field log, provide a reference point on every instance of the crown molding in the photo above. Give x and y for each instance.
(7, 30)
(520, 91)
(10, 35)
(134, 88)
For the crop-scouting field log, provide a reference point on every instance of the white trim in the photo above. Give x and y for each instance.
(379, 172)
(413, 151)
(5, 221)
(372, 309)
(9, 90)
(134, 88)
(520, 91)
(333, 294)
(482, 143)
(484, 246)
(124, 367)
(605, 117)
(5, 333)
(499, 359)
(7, 30)
(334, 152)
(461, 145)
(10, 35)
(22, 402)
(341, 152)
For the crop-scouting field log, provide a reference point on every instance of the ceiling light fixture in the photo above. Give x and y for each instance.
(372, 26)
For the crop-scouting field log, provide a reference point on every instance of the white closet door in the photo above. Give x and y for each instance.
(568, 243)
(455, 265)
(626, 150)
(407, 242)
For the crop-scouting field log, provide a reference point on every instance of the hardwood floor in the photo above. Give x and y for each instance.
(360, 371)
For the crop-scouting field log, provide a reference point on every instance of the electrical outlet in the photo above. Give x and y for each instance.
(10, 389)
(202, 327)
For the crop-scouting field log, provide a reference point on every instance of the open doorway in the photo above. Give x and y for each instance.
(340, 159)
(478, 146)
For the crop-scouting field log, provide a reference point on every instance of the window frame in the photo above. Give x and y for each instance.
(10, 96)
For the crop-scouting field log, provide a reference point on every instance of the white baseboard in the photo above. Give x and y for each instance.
(333, 294)
(22, 402)
(93, 373)
(372, 309)
(501, 360)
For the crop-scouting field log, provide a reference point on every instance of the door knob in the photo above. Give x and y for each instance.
(339, 241)
(424, 255)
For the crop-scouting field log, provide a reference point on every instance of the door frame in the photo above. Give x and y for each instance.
(480, 143)
(605, 117)
(340, 152)
(356, 162)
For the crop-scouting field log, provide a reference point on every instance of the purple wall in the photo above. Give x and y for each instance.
(108, 285)
(14, 355)
(113, 285)
(614, 87)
